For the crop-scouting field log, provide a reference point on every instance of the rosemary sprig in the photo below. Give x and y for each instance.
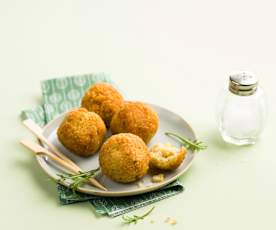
(195, 145)
(134, 219)
(78, 179)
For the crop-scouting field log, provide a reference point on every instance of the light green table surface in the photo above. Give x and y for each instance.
(173, 53)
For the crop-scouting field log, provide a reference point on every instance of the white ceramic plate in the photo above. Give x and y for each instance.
(169, 121)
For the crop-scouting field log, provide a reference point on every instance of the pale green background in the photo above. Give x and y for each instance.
(173, 53)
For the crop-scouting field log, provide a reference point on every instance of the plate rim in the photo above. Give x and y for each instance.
(97, 192)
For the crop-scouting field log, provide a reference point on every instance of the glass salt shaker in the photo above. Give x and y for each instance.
(241, 110)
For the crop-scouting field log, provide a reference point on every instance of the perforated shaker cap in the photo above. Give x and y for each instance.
(243, 83)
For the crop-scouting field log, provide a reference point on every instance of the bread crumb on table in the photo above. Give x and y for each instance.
(170, 221)
(173, 222)
(167, 220)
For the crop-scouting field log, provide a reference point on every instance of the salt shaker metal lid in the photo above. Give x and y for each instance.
(243, 83)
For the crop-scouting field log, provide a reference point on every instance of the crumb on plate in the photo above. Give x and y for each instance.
(157, 178)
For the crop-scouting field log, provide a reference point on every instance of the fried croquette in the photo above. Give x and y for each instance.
(103, 99)
(82, 132)
(166, 156)
(124, 158)
(136, 118)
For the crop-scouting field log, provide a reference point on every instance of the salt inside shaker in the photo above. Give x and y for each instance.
(241, 110)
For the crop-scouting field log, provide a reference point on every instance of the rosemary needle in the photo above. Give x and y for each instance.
(78, 179)
(195, 145)
(134, 219)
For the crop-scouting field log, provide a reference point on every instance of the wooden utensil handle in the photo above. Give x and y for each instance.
(35, 129)
(38, 149)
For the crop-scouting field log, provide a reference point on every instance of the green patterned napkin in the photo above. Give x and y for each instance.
(115, 206)
(63, 94)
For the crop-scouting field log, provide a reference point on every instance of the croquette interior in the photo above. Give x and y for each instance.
(166, 156)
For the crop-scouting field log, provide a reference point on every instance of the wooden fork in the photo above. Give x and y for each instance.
(37, 131)
(38, 149)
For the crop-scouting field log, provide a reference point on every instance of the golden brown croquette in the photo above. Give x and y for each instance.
(124, 158)
(136, 118)
(103, 99)
(82, 132)
(166, 156)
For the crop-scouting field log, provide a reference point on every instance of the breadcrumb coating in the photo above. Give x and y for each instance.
(103, 99)
(124, 158)
(82, 132)
(136, 118)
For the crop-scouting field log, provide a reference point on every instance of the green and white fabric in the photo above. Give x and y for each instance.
(63, 94)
